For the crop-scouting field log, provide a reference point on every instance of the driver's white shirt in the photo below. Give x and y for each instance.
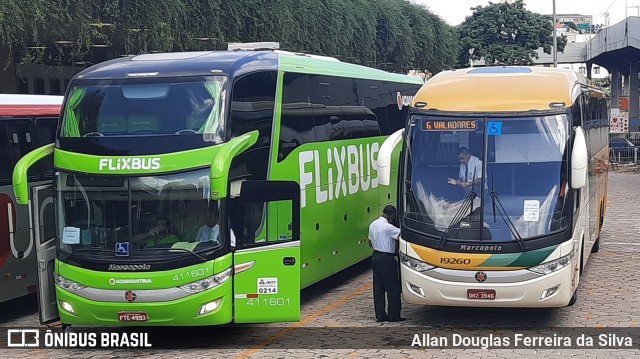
(206, 233)
(474, 165)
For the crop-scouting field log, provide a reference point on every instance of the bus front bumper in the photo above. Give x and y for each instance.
(551, 290)
(209, 307)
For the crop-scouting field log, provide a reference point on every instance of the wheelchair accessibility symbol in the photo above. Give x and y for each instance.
(122, 249)
(494, 128)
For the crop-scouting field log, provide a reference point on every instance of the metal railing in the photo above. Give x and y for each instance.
(624, 147)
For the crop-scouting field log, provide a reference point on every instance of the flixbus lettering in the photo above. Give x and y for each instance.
(135, 163)
(346, 170)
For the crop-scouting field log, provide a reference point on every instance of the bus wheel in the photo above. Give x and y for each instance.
(574, 297)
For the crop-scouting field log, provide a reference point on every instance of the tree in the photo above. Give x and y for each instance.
(389, 34)
(505, 34)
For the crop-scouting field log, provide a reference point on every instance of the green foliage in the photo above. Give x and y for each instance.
(392, 34)
(505, 34)
(604, 84)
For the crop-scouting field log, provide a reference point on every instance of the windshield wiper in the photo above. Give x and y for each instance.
(505, 216)
(73, 253)
(468, 203)
(102, 250)
(202, 258)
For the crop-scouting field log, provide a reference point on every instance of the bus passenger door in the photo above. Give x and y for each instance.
(267, 259)
(42, 224)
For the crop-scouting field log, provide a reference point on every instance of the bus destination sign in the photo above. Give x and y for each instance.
(450, 125)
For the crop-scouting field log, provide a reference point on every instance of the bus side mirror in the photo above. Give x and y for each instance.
(219, 176)
(384, 157)
(579, 160)
(20, 179)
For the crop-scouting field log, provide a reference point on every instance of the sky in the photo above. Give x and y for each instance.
(455, 11)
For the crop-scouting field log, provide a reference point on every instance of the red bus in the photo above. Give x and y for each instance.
(26, 122)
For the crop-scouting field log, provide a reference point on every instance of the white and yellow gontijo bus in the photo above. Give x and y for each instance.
(520, 234)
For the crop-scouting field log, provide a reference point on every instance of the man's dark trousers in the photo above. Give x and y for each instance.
(385, 279)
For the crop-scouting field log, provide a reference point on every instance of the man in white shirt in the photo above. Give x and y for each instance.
(210, 231)
(470, 170)
(383, 237)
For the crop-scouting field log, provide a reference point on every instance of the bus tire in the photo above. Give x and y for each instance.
(574, 297)
(596, 244)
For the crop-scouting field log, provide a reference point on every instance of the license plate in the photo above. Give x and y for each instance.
(482, 294)
(133, 316)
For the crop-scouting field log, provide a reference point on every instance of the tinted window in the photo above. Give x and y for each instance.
(296, 124)
(337, 114)
(329, 108)
(143, 107)
(396, 116)
(253, 98)
(5, 155)
(20, 142)
(19, 138)
(375, 96)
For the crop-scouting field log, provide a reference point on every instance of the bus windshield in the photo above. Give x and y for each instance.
(147, 217)
(146, 107)
(498, 179)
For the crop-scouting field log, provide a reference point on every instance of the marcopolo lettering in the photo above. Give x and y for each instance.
(467, 247)
(129, 163)
(344, 170)
(129, 267)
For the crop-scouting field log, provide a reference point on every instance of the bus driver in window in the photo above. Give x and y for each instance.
(470, 170)
(210, 231)
(160, 234)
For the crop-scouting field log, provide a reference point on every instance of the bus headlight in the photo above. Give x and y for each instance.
(554, 265)
(67, 306)
(67, 284)
(209, 307)
(415, 264)
(207, 283)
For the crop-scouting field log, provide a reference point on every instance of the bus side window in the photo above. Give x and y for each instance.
(5, 156)
(576, 113)
(252, 107)
(337, 114)
(296, 124)
(21, 142)
(396, 117)
(374, 97)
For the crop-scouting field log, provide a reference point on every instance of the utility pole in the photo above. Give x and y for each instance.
(555, 37)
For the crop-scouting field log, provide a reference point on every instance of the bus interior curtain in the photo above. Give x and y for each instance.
(72, 124)
(211, 125)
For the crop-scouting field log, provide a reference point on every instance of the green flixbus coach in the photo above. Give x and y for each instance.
(206, 188)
